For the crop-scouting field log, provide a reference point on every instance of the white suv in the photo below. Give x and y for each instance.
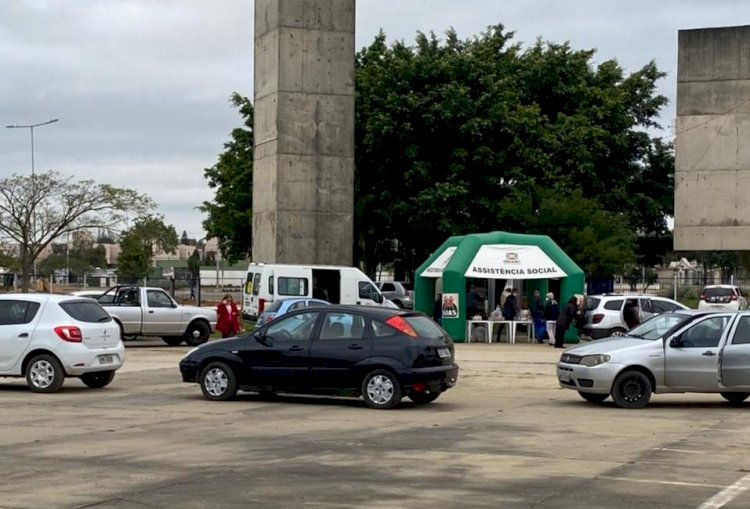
(48, 337)
(604, 313)
(724, 297)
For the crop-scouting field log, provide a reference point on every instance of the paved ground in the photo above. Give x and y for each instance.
(506, 436)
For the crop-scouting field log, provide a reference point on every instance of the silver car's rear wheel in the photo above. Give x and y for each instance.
(632, 389)
(44, 373)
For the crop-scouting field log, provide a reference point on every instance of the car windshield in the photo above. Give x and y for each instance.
(658, 326)
(274, 307)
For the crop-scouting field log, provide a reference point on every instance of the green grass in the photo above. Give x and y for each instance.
(248, 325)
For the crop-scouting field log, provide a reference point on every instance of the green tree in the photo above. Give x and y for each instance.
(137, 246)
(447, 129)
(230, 214)
(36, 210)
(83, 256)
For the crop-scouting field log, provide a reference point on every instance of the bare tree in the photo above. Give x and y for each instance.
(36, 210)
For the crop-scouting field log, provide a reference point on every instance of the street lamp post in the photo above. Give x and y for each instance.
(31, 127)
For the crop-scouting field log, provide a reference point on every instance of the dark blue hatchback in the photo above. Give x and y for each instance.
(379, 354)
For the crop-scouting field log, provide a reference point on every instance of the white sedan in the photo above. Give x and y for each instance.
(46, 338)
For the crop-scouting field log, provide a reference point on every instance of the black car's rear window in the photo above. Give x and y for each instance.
(424, 327)
(718, 292)
(85, 311)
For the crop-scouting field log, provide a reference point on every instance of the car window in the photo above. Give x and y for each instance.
(705, 334)
(425, 327)
(592, 303)
(293, 286)
(387, 287)
(293, 328)
(297, 305)
(270, 285)
(256, 283)
(367, 291)
(717, 292)
(742, 333)
(158, 299)
(381, 330)
(614, 305)
(658, 326)
(343, 326)
(85, 311)
(17, 312)
(128, 297)
(645, 305)
(275, 306)
(249, 283)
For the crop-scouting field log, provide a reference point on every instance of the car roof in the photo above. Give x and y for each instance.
(40, 297)
(720, 286)
(372, 311)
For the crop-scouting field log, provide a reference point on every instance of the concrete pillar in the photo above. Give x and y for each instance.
(712, 155)
(303, 174)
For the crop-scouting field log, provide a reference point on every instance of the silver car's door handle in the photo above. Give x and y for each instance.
(708, 353)
(23, 335)
(151, 312)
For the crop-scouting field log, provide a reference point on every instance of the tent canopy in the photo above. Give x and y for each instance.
(495, 255)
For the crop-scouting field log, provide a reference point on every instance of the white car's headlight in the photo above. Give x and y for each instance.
(594, 360)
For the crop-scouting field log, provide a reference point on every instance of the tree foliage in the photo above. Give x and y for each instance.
(36, 210)
(137, 246)
(448, 130)
(80, 257)
(461, 136)
(230, 214)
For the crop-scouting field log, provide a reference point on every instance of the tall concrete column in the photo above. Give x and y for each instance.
(303, 173)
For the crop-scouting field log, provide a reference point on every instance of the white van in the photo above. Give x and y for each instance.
(338, 285)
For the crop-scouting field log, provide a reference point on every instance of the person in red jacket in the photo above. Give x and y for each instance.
(228, 322)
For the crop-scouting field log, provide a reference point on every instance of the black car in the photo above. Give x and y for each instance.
(378, 353)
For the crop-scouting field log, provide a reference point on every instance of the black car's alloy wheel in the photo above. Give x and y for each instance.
(218, 382)
(381, 389)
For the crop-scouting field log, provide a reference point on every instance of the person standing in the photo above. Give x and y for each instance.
(537, 315)
(228, 313)
(510, 307)
(437, 310)
(566, 317)
(551, 312)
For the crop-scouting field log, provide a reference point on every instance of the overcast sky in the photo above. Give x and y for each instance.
(141, 87)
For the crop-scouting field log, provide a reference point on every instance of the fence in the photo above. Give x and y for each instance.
(683, 289)
(184, 291)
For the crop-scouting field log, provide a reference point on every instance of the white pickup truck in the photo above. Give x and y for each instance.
(147, 311)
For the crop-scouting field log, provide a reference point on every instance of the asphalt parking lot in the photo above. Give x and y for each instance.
(506, 436)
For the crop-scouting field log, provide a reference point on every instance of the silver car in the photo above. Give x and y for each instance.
(682, 351)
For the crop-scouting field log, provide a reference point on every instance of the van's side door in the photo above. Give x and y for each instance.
(735, 358)
(692, 357)
(291, 282)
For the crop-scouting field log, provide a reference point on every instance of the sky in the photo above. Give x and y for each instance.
(141, 87)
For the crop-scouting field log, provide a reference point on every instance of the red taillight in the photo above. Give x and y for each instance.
(261, 305)
(734, 297)
(401, 325)
(69, 333)
(597, 318)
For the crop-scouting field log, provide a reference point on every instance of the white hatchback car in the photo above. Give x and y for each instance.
(46, 338)
(722, 297)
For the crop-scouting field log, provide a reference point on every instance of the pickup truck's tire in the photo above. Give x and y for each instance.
(197, 333)
(173, 340)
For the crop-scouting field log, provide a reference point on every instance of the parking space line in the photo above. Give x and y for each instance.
(656, 481)
(688, 451)
(728, 494)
